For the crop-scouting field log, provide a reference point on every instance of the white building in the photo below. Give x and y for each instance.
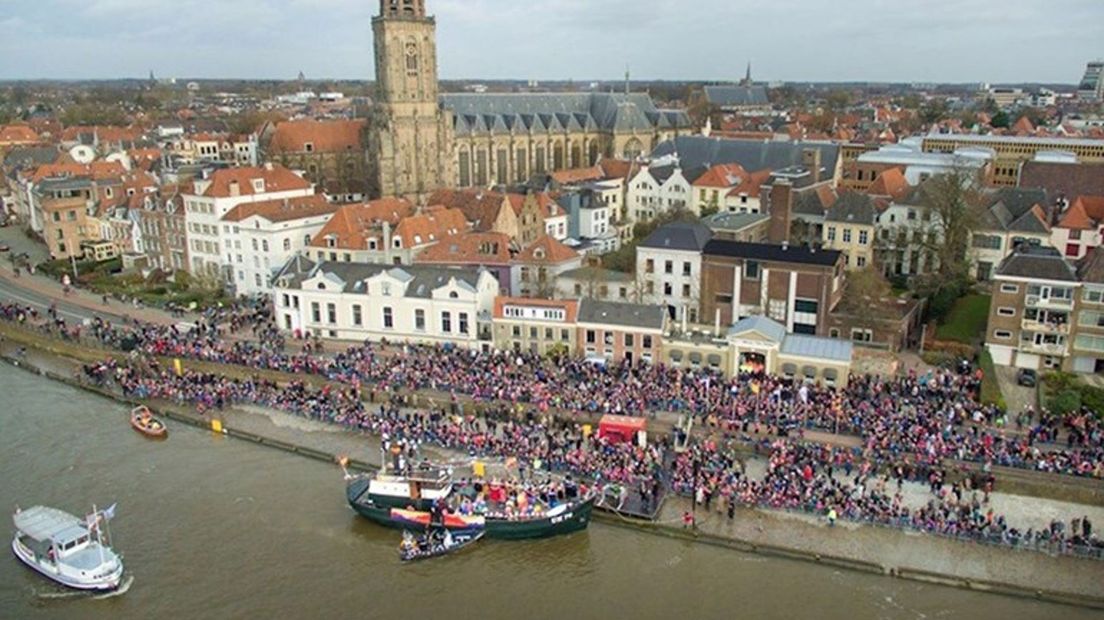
(269, 233)
(412, 303)
(668, 264)
(215, 196)
(656, 190)
(919, 166)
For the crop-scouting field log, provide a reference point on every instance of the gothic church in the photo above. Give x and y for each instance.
(420, 140)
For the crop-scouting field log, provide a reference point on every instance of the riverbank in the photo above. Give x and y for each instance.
(858, 547)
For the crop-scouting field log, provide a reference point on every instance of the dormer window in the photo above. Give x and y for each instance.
(538, 253)
(308, 147)
(372, 245)
(331, 242)
(321, 286)
(258, 185)
(396, 242)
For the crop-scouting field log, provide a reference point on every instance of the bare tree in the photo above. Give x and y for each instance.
(954, 201)
(865, 298)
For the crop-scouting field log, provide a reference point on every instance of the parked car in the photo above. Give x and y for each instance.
(1027, 377)
(4, 247)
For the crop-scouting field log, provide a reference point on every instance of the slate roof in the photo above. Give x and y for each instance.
(733, 221)
(690, 236)
(694, 151)
(1037, 263)
(558, 112)
(597, 274)
(732, 96)
(31, 156)
(423, 280)
(772, 252)
(1016, 210)
(1060, 179)
(622, 314)
(1091, 267)
(803, 345)
(852, 208)
(761, 324)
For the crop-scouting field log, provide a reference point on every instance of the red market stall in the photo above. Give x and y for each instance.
(621, 429)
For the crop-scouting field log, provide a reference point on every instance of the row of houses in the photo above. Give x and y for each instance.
(464, 307)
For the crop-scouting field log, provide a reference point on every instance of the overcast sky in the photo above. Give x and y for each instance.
(817, 40)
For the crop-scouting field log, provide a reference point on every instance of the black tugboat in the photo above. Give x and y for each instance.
(398, 497)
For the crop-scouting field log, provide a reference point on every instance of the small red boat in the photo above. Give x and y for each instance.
(144, 422)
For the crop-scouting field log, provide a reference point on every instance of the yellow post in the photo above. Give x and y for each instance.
(586, 430)
(478, 469)
(216, 425)
(178, 367)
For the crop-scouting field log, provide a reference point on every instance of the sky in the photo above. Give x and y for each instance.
(789, 40)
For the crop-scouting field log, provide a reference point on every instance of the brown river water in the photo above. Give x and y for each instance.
(212, 527)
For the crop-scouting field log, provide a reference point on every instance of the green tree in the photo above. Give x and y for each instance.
(838, 100)
(1001, 120)
(933, 111)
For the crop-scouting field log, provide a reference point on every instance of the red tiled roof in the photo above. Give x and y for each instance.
(352, 225)
(276, 179)
(751, 184)
(891, 182)
(323, 136)
(282, 210)
(578, 175)
(97, 170)
(1084, 213)
(569, 306)
(480, 207)
(722, 176)
(473, 248)
(434, 224)
(17, 134)
(617, 168)
(546, 250)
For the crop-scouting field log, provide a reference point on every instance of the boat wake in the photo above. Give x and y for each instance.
(59, 595)
(121, 590)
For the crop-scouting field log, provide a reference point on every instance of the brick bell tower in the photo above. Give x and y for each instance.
(410, 140)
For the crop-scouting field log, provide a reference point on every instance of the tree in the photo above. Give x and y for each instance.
(1001, 120)
(954, 204)
(864, 296)
(838, 100)
(933, 111)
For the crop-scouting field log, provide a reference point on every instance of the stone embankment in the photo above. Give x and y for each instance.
(880, 550)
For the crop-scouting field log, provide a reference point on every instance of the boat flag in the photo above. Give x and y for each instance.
(109, 512)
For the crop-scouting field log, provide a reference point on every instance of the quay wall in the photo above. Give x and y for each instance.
(1067, 580)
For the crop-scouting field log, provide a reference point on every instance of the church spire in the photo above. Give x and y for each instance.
(627, 79)
(747, 76)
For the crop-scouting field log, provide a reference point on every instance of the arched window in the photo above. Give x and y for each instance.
(633, 148)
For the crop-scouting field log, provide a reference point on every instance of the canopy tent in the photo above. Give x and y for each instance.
(621, 429)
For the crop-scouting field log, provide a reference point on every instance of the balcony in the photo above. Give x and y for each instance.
(1035, 301)
(1046, 328)
(1057, 350)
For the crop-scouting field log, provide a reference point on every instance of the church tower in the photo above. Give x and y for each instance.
(410, 138)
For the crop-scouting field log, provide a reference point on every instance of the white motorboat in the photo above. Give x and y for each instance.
(66, 549)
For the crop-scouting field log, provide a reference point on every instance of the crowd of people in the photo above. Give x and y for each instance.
(813, 478)
(926, 418)
(822, 480)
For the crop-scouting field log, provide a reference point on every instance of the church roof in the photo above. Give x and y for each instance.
(557, 112)
(694, 151)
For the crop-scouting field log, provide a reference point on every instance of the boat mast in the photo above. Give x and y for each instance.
(99, 534)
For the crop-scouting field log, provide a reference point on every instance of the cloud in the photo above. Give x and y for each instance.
(876, 40)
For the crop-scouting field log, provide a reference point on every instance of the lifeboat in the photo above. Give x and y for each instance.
(144, 422)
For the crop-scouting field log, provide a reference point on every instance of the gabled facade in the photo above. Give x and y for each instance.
(668, 266)
(1012, 218)
(1080, 227)
(417, 304)
(657, 190)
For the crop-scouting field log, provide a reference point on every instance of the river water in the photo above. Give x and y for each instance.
(213, 527)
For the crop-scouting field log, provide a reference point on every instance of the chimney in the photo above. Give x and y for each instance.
(386, 241)
(235, 189)
(810, 158)
(268, 166)
(780, 211)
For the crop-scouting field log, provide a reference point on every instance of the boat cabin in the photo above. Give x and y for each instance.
(51, 533)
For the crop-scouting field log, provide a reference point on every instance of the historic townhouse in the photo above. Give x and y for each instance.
(409, 303)
(1011, 217)
(213, 245)
(793, 285)
(620, 332)
(269, 233)
(668, 265)
(332, 153)
(849, 227)
(1080, 227)
(657, 190)
(536, 325)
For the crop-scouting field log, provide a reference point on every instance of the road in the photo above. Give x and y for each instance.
(11, 291)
